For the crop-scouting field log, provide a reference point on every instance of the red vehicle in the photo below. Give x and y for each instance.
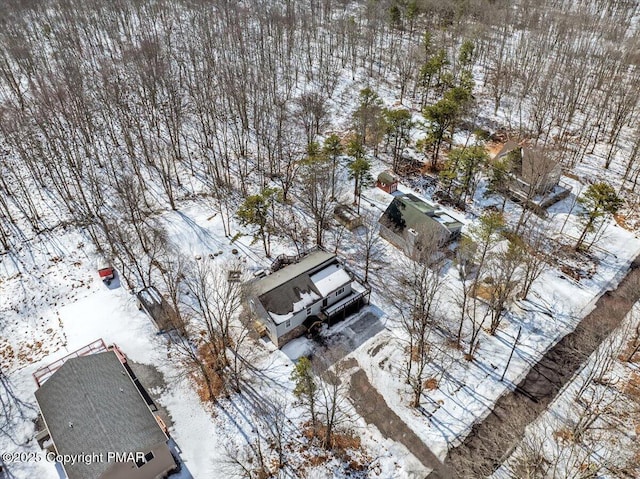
(105, 271)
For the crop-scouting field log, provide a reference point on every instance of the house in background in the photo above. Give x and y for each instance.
(91, 406)
(315, 288)
(387, 181)
(533, 171)
(407, 217)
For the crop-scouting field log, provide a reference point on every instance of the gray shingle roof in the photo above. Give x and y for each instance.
(289, 272)
(409, 211)
(90, 405)
(280, 290)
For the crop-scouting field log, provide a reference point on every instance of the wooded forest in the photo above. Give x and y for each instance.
(271, 113)
(113, 110)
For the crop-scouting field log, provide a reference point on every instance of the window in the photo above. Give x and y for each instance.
(287, 324)
(141, 461)
(340, 291)
(324, 302)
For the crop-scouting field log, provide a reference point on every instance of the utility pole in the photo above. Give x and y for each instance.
(515, 343)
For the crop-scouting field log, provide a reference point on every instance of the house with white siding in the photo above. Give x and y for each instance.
(316, 288)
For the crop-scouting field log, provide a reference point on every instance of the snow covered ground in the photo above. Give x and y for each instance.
(53, 303)
(466, 390)
(593, 423)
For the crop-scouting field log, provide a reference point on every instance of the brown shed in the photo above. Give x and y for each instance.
(387, 181)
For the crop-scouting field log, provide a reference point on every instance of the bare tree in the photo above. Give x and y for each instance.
(634, 340)
(13, 408)
(316, 194)
(371, 245)
(214, 301)
(311, 113)
(473, 254)
(535, 258)
(503, 270)
(415, 295)
(332, 400)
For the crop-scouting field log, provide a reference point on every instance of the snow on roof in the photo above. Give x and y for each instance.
(280, 318)
(306, 299)
(330, 278)
(292, 271)
(151, 296)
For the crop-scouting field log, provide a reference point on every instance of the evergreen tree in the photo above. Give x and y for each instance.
(255, 210)
(306, 388)
(442, 118)
(500, 177)
(599, 200)
(433, 68)
(465, 55)
(395, 17)
(462, 167)
(412, 14)
(368, 118)
(359, 169)
(333, 149)
(398, 128)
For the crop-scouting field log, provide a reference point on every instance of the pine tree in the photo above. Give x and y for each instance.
(358, 169)
(255, 211)
(398, 128)
(306, 388)
(599, 200)
(368, 118)
(464, 164)
(333, 149)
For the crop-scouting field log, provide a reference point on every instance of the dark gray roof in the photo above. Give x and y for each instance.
(280, 290)
(280, 277)
(90, 405)
(409, 211)
(281, 299)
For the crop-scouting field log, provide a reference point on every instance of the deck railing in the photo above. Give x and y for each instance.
(283, 260)
(97, 346)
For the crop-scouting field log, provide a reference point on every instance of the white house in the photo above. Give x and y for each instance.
(316, 288)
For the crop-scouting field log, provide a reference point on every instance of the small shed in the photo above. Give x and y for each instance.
(159, 310)
(387, 181)
(347, 217)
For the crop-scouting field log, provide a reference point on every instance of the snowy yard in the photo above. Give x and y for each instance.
(189, 141)
(593, 423)
(78, 309)
(52, 310)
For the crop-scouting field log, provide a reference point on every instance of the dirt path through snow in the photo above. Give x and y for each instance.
(492, 440)
(370, 404)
